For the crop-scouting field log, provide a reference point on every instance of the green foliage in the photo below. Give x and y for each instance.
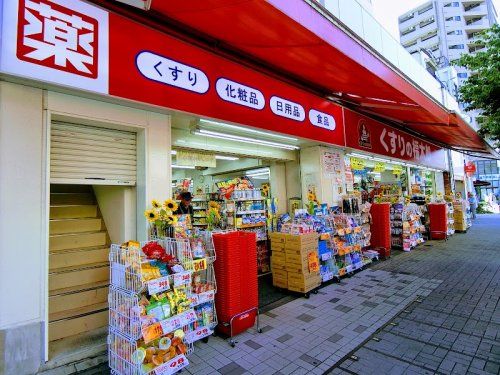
(482, 89)
(483, 208)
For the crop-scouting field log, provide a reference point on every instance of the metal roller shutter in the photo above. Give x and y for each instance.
(88, 155)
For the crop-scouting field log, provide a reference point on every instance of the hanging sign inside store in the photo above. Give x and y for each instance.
(80, 45)
(357, 164)
(363, 133)
(195, 159)
(379, 167)
(397, 170)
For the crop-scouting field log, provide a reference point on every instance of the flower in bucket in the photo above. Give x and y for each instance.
(265, 189)
(161, 218)
(170, 205)
(151, 215)
(213, 214)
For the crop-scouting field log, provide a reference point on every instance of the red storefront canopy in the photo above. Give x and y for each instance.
(294, 40)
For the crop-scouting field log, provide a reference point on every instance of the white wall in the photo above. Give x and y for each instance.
(312, 172)
(440, 183)
(22, 197)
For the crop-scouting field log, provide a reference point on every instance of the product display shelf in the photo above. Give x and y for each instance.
(450, 218)
(250, 214)
(407, 228)
(157, 341)
(349, 240)
(461, 215)
(200, 206)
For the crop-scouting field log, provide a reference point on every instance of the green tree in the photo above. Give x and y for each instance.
(482, 89)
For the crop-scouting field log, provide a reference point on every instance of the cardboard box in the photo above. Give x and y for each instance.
(280, 274)
(303, 288)
(279, 257)
(296, 259)
(303, 278)
(277, 237)
(277, 264)
(301, 241)
(278, 246)
(280, 283)
(297, 267)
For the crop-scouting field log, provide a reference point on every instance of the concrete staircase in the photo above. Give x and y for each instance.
(78, 263)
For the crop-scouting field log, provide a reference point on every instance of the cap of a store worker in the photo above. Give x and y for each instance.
(185, 207)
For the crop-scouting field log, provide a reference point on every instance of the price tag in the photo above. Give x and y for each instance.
(206, 296)
(198, 334)
(152, 332)
(312, 258)
(182, 278)
(158, 285)
(326, 256)
(199, 265)
(188, 317)
(327, 276)
(171, 324)
(172, 366)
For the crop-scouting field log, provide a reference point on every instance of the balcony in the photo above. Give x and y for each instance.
(476, 24)
(476, 9)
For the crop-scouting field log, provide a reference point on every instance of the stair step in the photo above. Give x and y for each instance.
(66, 188)
(77, 240)
(78, 312)
(79, 267)
(71, 277)
(71, 198)
(73, 326)
(68, 290)
(61, 226)
(65, 302)
(73, 211)
(74, 257)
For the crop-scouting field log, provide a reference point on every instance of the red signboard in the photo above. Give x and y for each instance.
(470, 168)
(363, 133)
(152, 67)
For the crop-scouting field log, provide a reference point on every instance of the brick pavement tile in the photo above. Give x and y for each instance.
(231, 369)
(306, 318)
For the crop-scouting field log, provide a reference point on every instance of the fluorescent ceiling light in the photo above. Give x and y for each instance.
(218, 157)
(257, 174)
(223, 157)
(182, 166)
(238, 138)
(247, 130)
(258, 170)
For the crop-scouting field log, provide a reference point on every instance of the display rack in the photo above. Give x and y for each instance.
(155, 315)
(406, 226)
(460, 215)
(450, 211)
(248, 211)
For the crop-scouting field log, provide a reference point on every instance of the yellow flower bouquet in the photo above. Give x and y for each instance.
(161, 218)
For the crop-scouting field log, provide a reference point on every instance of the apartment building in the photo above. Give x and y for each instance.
(447, 29)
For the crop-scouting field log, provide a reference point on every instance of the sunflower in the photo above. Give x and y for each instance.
(311, 197)
(151, 215)
(171, 219)
(155, 203)
(213, 204)
(170, 205)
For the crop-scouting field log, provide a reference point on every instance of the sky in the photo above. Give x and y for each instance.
(388, 11)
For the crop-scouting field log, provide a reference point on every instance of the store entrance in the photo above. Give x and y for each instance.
(237, 179)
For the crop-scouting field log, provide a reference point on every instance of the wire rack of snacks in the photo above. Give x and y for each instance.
(161, 300)
(450, 212)
(406, 226)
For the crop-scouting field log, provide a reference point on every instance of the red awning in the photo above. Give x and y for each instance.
(297, 41)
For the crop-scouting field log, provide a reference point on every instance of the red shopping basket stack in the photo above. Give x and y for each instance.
(438, 221)
(236, 299)
(381, 228)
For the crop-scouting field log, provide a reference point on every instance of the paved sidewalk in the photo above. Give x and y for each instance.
(456, 328)
(434, 310)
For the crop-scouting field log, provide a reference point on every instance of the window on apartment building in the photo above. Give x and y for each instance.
(408, 30)
(410, 44)
(406, 18)
(455, 32)
(426, 22)
(457, 46)
(429, 36)
(427, 8)
(453, 4)
(462, 75)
